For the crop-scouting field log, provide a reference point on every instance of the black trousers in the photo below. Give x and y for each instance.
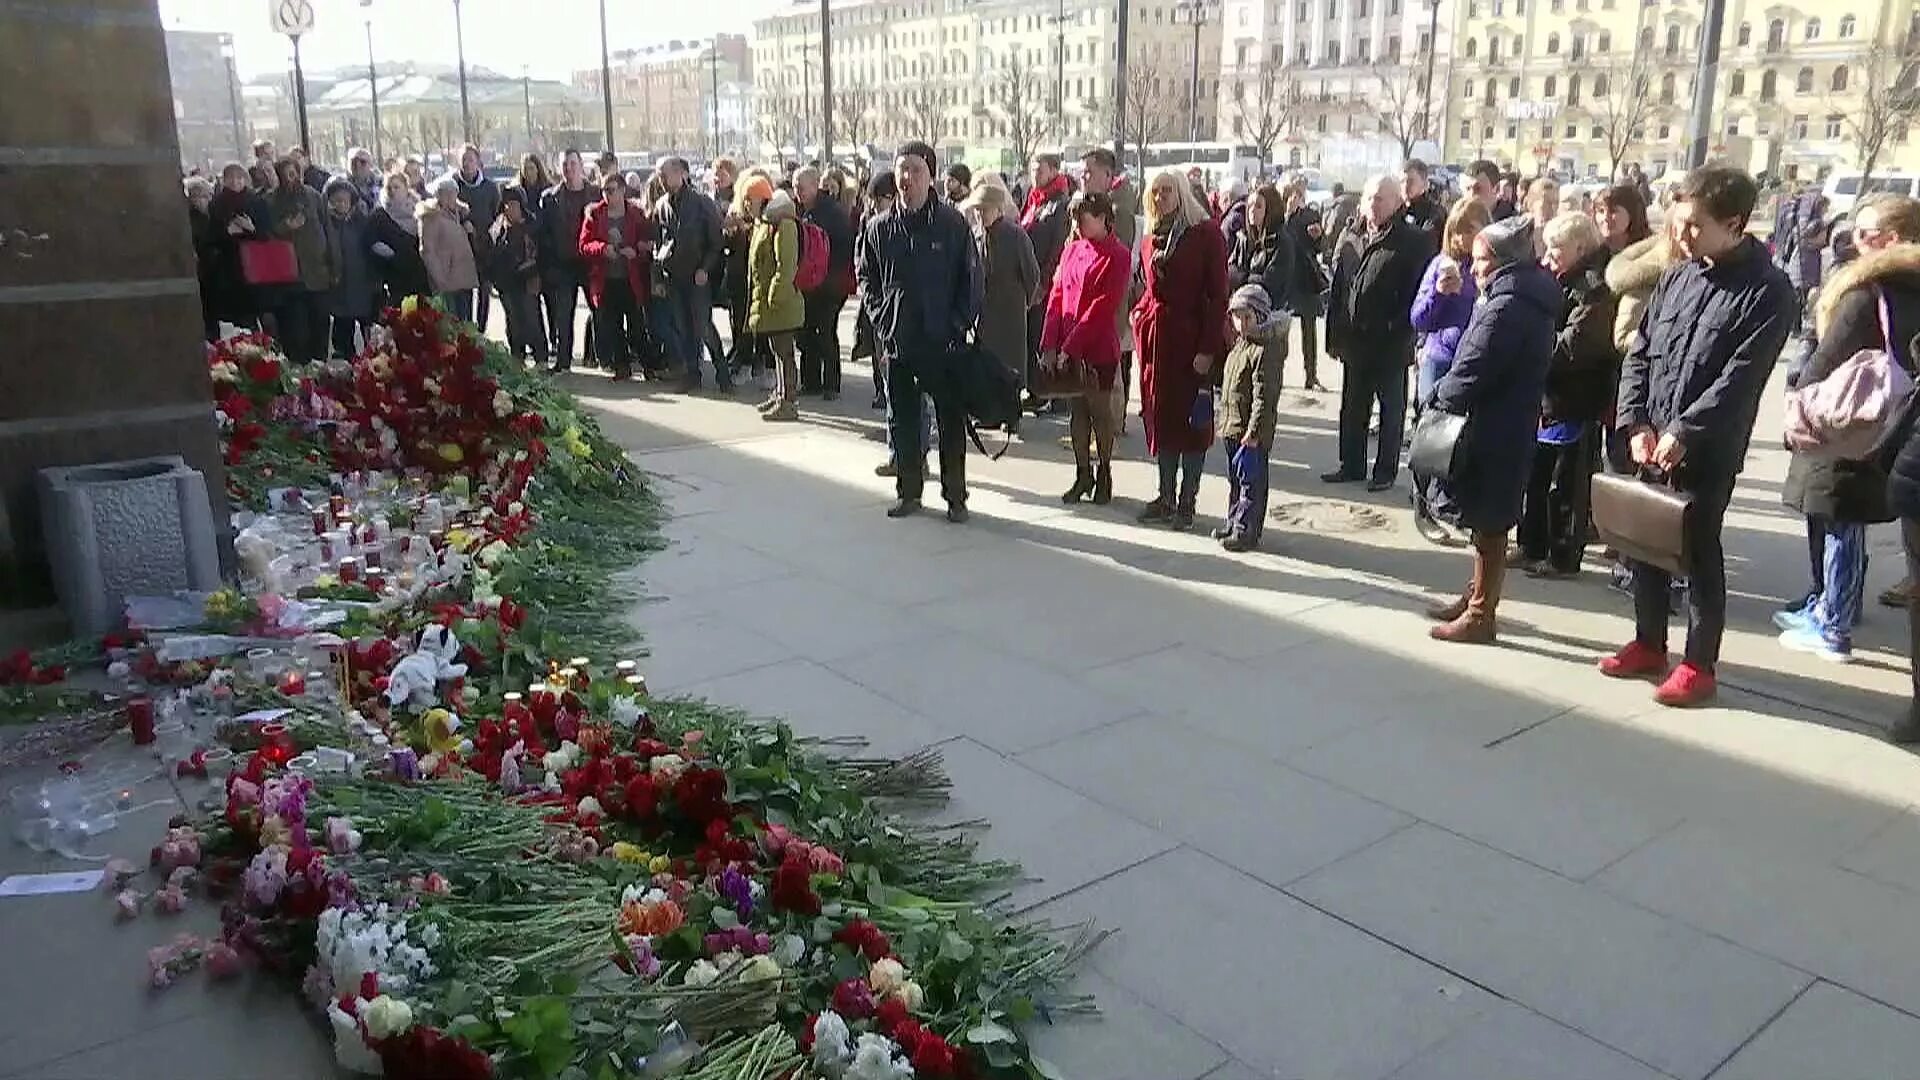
(1706, 578)
(562, 284)
(614, 320)
(1310, 347)
(903, 390)
(820, 341)
(1554, 524)
(1375, 370)
(525, 332)
(301, 321)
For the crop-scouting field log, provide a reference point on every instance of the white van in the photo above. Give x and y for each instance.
(1843, 190)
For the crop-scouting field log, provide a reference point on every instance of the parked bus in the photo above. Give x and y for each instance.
(1220, 161)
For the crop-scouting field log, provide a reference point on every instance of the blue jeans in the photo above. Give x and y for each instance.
(664, 316)
(459, 303)
(1843, 580)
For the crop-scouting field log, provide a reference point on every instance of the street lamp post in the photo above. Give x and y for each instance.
(1433, 49)
(826, 82)
(300, 93)
(233, 97)
(1060, 65)
(526, 99)
(606, 76)
(1196, 11)
(460, 45)
(1700, 125)
(1123, 16)
(713, 71)
(373, 88)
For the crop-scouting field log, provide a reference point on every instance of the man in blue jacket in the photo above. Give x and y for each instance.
(1689, 391)
(922, 291)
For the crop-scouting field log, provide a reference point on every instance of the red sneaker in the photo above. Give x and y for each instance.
(1637, 660)
(1688, 685)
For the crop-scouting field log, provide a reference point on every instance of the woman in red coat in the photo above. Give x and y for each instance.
(616, 243)
(1179, 332)
(1088, 291)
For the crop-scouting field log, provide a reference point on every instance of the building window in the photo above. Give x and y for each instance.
(1768, 83)
(1733, 127)
(1603, 43)
(1573, 90)
(1366, 9)
(1320, 123)
(1300, 12)
(1473, 46)
(1803, 84)
(1393, 7)
(1599, 132)
(1840, 79)
(1393, 47)
(1493, 50)
(1746, 34)
(1573, 131)
(1466, 130)
(1426, 42)
(1666, 130)
(1673, 40)
(1600, 85)
(1800, 127)
(1847, 26)
(1469, 90)
(1737, 84)
(1646, 39)
(1551, 86)
(1776, 35)
(1513, 87)
(1553, 44)
(1666, 88)
(1363, 51)
(1813, 30)
(1513, 130)
(1486, 132)
(1834, 122)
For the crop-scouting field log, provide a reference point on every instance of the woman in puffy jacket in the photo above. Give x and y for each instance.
(775, 310)
(1441, 310)
(446, 243)
(1089, 287)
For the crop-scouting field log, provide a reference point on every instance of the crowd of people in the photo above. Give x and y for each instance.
(1570, 340)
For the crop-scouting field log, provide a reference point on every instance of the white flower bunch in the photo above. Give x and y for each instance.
(871, 1057)
(349, 944)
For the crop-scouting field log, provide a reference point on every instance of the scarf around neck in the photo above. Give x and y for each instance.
(1040, 196)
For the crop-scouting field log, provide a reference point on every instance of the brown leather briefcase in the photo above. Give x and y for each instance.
(1643, 520)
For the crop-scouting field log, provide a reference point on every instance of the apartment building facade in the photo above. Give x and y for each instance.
(986, 82)
(1582, 87)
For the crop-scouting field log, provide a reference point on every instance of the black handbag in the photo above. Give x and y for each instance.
(1439, 444)
(1645, 521)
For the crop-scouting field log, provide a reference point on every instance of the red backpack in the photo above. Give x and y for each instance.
(814, 252)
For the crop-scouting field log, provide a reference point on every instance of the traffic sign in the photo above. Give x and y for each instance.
(290, 17)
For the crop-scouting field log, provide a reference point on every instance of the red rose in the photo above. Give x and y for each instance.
(643, 799)
(793, 889)
(892, 1018)
(853, 999)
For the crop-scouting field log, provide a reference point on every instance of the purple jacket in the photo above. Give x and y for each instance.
(1442, 319)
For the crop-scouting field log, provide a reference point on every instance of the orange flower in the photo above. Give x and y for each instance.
(660, 917)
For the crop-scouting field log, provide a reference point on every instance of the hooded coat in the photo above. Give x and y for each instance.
(1250, 382)
(1846, 321)
(773, 257)
(446, 248)
(1586, 366)
(349, 249)
(1498, 375)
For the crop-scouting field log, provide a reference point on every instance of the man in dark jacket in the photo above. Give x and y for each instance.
(688, 226)
(1370, 331)
(1689, 391)
(1423, 210)
(311, 175)
(820, 334)
(1047, 221)
(922, 292)
(513, 264)
(563, 273)
(482, 197)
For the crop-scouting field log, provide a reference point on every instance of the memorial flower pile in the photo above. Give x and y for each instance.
(487, 851)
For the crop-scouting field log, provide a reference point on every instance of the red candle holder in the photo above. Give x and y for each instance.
(139, 714)
(376, 580)
(319, 522)
(372, 558)
(349, 570)
(276, 743)
(293, 684)
(438, 538)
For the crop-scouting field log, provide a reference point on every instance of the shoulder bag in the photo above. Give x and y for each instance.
(1439, 443)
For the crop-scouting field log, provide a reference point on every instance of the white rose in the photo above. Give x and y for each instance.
(873, 1059)
(386, 1017)
(349, 1049)
(886, 976)
(702, 973)
(760, 969)
(830, 1037)
(790, 950)
(669, 766)
(911, 995)
(502, 403)
(590, 808)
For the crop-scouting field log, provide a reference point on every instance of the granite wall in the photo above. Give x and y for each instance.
(101, 355)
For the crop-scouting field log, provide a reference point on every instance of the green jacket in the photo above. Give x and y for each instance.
(1250, 383)
(772, 259)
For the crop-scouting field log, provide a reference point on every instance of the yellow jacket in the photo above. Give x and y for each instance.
(773, 257)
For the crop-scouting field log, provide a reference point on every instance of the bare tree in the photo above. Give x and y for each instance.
(1019, 102)
(1263, 104)
(853, 108)
(1889, 102)
(1399, 103)
(926, 114)
(1151, 106)
(1623, 103)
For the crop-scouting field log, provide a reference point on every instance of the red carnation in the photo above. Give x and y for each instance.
(853, 999)
(806, 1034)
(933, 1057)
(892, 1017)
(643, 799)
(793, 890)
(701, 795)
(907, 1032)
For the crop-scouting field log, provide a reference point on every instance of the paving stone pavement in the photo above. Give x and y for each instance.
(1331, 848)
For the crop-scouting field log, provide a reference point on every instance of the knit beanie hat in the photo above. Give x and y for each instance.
(1253, 300)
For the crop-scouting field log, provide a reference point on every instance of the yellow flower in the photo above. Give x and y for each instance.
(660, 864)
(576, 441)
(442, 729)
(451, 453)
(629, 853)
(409, 305)
(459, 538)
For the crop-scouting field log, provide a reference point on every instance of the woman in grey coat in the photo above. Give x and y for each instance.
(1012, 276)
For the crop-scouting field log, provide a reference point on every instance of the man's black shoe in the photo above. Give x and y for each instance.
(1340, 476)
(904, 508)
(1379, 484)
(957, 513)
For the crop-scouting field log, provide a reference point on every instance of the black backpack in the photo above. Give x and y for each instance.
(984, 388)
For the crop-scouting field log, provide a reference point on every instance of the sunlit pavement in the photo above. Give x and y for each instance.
(1332, 848)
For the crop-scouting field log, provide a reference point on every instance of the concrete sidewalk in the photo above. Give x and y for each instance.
(1332, 847)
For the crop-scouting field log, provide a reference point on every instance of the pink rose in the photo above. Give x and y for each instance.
(223, 961)
(126, 905)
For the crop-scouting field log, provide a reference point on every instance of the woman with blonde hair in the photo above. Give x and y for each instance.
(1011, 273)
(1441, 310)
(1179, 330)
(1581, 380)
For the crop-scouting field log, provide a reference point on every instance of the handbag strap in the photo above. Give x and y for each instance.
(1886, 322)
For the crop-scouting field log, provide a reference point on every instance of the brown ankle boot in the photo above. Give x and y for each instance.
(1475, 625)
(1448, 611)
